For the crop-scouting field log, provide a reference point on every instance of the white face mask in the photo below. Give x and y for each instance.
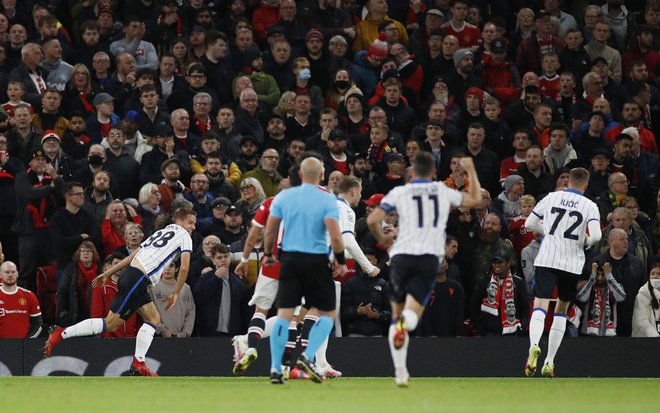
(655, 283)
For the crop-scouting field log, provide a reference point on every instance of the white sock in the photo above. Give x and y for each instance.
(536, 327)
(398, 356)
(556, 335)
(88, 327)
(411, 319)
(269, 327)
(321, 361)
(143, 340)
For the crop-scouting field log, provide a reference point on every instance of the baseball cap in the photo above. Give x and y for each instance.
(275, 116)
(221, 200)
(163, 129)
(396, 157)
(598, 113)
(169, 161)
(541, 14)
(336, 135)
(276, 29)
(435, 12)
(497, 46)
(39, 153)
(501, 255)
(374, 200)
(233, 210)
(198, 28)
(102, 98)
(49, 134)
(132, 116)
(248, 138)
(601, 151)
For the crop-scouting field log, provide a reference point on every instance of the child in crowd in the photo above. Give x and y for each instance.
(549, 80)
(498, 133)
(379, 150)
(521, 236)
(15, 91)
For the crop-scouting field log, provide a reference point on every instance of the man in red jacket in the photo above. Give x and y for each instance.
(501, 77)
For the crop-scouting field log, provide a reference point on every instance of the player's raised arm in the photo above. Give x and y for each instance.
(373, 222)
(472, 199)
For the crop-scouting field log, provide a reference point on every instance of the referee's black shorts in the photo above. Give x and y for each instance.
(546, 279)
(133, 293)
(306, 275)
(414, 275)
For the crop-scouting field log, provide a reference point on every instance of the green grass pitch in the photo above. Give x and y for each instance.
(345, 395)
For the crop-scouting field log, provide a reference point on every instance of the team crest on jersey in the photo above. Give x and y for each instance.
(22, 301)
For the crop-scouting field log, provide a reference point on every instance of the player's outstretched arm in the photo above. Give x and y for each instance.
(356, 252)
(337, 243)
(473, 198)
(103, 277)
(181, 279)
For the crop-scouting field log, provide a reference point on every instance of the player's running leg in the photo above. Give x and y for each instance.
(536, 327)
(556, 335)
(145, 336)
(256, 331)
(404, 318)
(278, 340)
(317, 335)
(88, 327)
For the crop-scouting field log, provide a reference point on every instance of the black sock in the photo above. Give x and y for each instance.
(256, 329)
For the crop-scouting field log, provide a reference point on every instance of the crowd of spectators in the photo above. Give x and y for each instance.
(118, 112)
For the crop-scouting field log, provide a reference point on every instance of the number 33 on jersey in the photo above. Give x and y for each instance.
(161, 248)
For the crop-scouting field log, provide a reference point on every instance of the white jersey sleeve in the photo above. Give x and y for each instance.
(346, 217)
(161, 248)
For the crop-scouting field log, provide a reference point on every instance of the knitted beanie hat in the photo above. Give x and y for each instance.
(378, 49)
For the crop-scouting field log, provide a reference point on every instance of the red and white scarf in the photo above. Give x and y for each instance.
(506, 292)
(605, 309)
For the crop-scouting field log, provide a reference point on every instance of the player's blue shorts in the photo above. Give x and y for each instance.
(133, 293)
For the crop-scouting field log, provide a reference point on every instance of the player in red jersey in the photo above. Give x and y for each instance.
(20, 314)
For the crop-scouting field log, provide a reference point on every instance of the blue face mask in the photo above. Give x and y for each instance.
(304, 74)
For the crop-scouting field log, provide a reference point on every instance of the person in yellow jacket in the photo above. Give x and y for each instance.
(367, 30)
(211, 143)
